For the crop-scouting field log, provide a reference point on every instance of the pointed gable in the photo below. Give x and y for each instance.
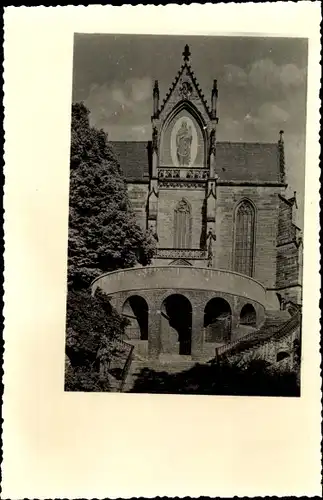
(185, 87)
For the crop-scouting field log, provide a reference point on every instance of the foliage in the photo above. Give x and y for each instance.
(82, 379)
(92, 326)
(225, 379)
(103, 233)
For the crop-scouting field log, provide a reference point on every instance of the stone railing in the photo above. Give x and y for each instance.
(181, 253)
(181, 277)
(193, 174)
(252, 340)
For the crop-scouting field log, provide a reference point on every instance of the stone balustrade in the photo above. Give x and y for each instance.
(183, 173)
(181, 253)
(181, 277)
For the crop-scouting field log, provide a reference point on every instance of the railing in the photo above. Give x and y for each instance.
(181, 253)
(183, 173)
(252, 339)
(289, 326)
(120, 361)
(126, 369)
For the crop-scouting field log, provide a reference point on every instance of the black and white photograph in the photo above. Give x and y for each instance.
(185, 241)
(161, 247)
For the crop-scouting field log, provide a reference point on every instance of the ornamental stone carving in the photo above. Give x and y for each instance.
(169, 173)
(186, 90)
(177, 253)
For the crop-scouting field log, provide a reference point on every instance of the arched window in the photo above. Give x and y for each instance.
(180, 262)
(282, 355)
(244, 238)
(182, 225)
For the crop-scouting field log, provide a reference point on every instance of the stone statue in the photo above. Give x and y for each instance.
(183, 144)
(210, 237)
(155, 139)
(153, 232)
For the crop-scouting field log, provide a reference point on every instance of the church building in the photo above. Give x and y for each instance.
(228, 250)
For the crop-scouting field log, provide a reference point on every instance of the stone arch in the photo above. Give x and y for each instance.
(176, 324)
(217, 320)
(282, 355)
(186, 109)
(180, 262)
(182, 224)
(191, 109)
(244, 225)
(136, 310)
(248, 315)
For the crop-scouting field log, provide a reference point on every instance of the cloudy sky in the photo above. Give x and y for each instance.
(261, 81)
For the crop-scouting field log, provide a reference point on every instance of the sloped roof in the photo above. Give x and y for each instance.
(247, 161)
(133, 158)
(235, 161)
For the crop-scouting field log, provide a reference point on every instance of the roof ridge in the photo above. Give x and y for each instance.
(248, 142)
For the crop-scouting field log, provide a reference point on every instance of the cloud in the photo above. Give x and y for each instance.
(235, 75)
(265, 74)
(120, 107)
(141, 89)
(273, 114)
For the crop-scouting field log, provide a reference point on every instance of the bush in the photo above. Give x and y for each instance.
(92, 325)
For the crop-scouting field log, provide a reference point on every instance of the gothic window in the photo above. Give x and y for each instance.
(244, 238)
(182, 225)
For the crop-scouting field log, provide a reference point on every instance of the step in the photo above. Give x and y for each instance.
(277, 315)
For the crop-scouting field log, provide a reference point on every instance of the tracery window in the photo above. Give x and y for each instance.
(244, 238)
(182, 225)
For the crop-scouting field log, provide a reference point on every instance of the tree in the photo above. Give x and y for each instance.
(103, 232)
(92, 327)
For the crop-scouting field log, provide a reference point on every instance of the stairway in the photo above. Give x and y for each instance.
(169, 367)
(277, 323)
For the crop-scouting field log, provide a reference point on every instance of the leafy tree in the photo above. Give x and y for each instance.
(103, 232)
(92, 326)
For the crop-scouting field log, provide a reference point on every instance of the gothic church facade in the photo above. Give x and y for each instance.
(225, 229)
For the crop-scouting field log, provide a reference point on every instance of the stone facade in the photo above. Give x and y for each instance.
(188, 189)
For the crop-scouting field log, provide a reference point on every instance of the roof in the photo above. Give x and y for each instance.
(235, 161)
(133, 158)
(247, 161)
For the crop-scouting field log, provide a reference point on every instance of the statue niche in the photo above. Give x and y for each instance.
(183, 144)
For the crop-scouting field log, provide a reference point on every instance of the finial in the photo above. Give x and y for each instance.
(215, 84)
(156, 85)
(281, 134)
(186, 53)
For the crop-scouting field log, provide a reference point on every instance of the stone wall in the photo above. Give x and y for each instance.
(167, 202)
(266, 202)
(287, 265)
(138, 194)
(289, 255)
(286, 229)
(198, 286)
(182, 278)
(271, 349)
